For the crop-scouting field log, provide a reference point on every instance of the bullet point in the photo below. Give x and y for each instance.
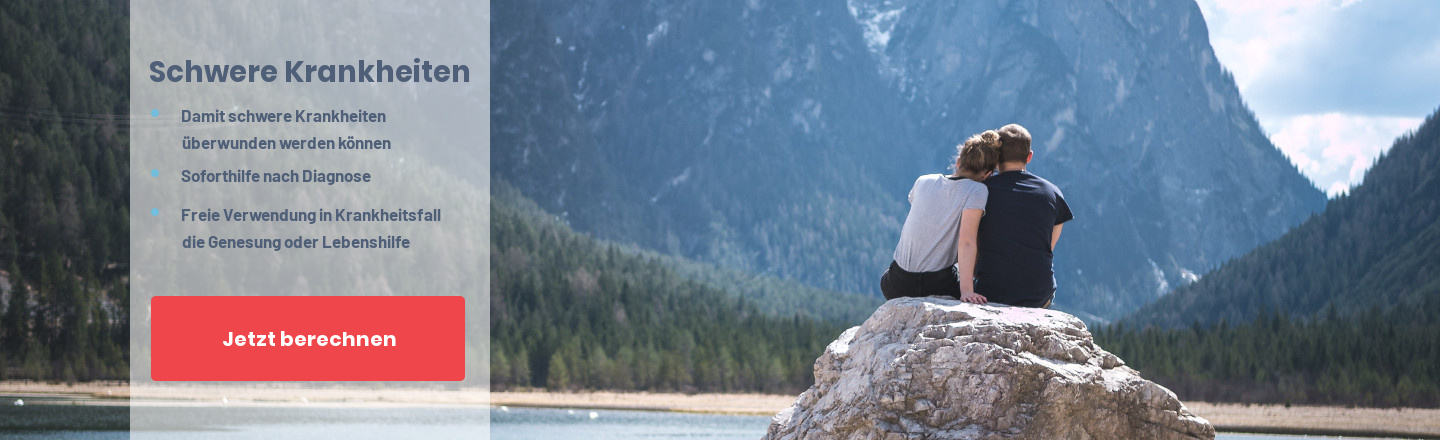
(154, 173)
(155, 212)
(155, 113)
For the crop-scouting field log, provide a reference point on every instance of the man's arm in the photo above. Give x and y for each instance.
(1055, 236)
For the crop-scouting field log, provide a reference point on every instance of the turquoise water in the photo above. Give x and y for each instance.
(529, 423)
(236, 422)
(48, 421)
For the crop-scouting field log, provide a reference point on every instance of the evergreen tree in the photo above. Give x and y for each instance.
(63, 190)
(582, 314)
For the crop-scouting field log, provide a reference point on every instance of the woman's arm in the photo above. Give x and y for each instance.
(965, 250)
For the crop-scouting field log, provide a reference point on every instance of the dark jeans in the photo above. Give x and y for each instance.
(899, 283)
(1049, 299)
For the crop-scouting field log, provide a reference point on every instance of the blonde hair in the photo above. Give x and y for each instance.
(979, 154)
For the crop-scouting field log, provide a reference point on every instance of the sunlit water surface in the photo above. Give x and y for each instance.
(221, 422)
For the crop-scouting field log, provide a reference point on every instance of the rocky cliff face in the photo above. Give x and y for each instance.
(781, 137)
(1133, 117)
(943, 369)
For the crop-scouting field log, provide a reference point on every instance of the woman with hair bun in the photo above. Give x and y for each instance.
(936, 253)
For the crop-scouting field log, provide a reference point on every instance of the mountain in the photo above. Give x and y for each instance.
(1341, 310)
(619, 125)
(781, 138)
(1378, 246)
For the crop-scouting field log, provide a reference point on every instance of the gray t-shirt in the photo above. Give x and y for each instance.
(927, 241)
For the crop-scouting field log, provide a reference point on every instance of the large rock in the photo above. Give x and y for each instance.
(937, 368)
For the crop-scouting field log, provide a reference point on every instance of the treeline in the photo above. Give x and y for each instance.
(772, 295)
(64, 190)
(1377, 358)
(568, 312)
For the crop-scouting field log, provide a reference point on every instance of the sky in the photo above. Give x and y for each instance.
(1333, 82)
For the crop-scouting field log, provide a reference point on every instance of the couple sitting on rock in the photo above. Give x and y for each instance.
(983, 234)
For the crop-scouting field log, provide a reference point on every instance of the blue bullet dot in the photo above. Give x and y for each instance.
(155, 211)
(155, 113)
(154, 173)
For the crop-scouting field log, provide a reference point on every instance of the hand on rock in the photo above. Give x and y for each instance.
(973, 298)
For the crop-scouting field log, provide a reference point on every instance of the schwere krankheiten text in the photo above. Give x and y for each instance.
(300, 71)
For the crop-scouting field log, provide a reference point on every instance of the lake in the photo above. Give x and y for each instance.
(50, 420)
(530, 423)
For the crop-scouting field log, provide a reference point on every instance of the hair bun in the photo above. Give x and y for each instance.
(980, 153)
(991, 138)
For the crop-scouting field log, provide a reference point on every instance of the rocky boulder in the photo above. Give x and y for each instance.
(936, 368)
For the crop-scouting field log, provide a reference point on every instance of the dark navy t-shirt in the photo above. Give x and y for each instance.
(1015, 262)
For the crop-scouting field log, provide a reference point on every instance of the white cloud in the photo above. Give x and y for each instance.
(1334, 149)
(1256, 38)
(1333, 81)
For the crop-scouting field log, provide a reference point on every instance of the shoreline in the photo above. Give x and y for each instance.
(1226, 417)
(1336, 421)
(740, 404)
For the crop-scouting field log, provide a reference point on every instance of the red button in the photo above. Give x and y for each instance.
(307, 338)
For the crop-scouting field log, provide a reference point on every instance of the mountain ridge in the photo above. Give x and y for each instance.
(1375, 246)
(780, 138)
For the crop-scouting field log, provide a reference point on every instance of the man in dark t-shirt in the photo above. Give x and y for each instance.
(1022, 223)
